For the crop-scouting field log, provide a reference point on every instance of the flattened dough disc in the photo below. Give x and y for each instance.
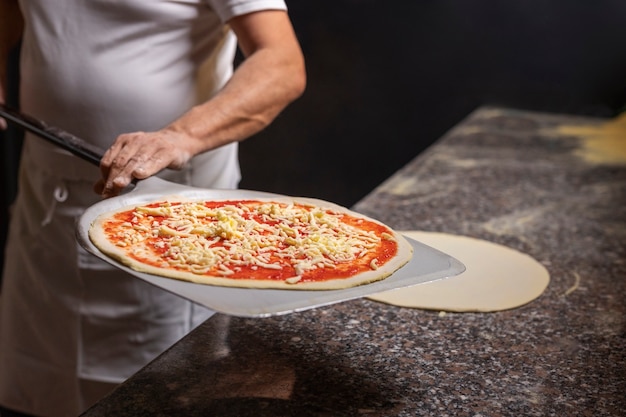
(497, 278)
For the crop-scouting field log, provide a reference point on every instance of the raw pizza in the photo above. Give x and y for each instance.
(278, 243)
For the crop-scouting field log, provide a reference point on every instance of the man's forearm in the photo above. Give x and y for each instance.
(271, 77)
(248, 104)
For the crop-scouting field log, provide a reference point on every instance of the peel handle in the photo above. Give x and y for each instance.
(55, 135)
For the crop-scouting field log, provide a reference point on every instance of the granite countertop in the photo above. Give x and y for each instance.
(552, 186)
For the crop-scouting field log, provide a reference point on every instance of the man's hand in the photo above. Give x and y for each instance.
(140, 155)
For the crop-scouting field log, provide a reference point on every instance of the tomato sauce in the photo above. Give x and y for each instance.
(158, 245)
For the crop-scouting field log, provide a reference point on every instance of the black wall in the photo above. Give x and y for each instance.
(387, 78)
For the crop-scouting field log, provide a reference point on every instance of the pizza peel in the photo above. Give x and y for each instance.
(427, 264)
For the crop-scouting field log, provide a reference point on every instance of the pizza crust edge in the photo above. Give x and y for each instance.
(402, 257)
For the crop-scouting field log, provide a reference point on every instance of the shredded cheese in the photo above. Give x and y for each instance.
(269, 235)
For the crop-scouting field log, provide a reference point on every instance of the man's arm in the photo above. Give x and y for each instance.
(11, 26)
(271, 77)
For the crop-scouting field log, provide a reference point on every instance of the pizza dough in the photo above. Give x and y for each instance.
(280, 243)
(497, 278)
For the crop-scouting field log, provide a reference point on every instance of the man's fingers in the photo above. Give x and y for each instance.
(138, 156)
(123, 171)
(118, 165)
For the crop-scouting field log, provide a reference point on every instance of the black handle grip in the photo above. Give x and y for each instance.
(58, 137)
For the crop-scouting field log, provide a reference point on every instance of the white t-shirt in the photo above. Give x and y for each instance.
(99, 68)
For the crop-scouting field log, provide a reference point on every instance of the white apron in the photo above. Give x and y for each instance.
(68, 317)
(68, 320)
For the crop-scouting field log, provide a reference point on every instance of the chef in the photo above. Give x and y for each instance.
(153, 83)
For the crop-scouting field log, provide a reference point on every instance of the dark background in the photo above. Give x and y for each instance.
(387, 78)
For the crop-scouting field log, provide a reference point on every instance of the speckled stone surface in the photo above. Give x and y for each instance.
(531, 181)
